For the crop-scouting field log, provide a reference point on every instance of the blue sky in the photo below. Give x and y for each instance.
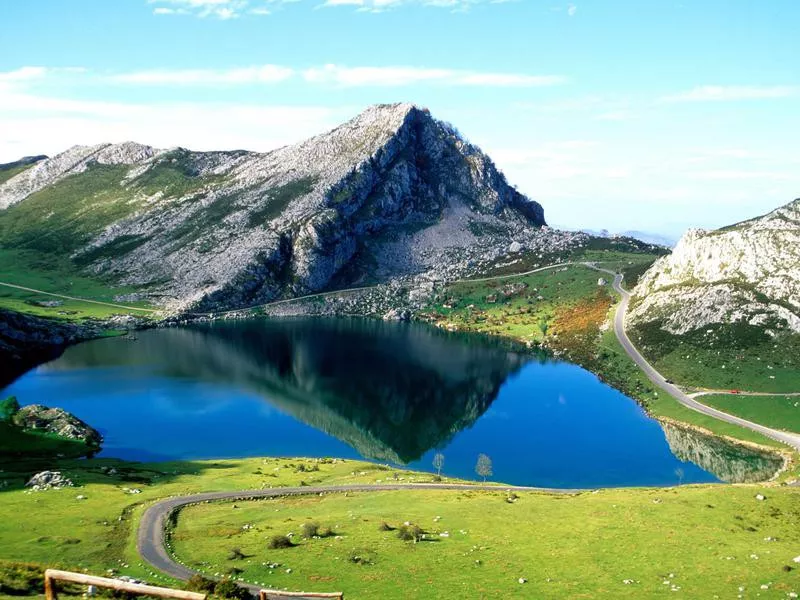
(613, 114)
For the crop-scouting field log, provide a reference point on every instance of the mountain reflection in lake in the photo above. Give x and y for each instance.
(391, 392)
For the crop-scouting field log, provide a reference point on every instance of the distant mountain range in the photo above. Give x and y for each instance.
(643, 236)
(393, 192)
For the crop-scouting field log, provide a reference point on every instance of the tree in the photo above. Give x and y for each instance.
(8, 408)
(484, 466)
(543, 326)
(679, 474)
(438, 463)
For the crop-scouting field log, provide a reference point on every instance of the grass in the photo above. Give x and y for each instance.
(732, 356)
(523, 308)
(778, 412)
(710, 541)
(16, 442)
(97, 533)
(32, 269)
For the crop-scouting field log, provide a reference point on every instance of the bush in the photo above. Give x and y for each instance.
(229, 589)
(280, 541)
(236, 554)
(19, 579)
(385, 527)
(410, 533)
(198, 583)
(310, 530)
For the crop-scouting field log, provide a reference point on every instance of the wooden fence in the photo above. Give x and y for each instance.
(51, 576)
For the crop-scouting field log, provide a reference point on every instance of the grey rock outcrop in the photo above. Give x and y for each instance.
(48, 480)
(58, 422)
(748, 272)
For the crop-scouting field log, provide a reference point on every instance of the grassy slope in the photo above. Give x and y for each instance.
(574, 308)
(736, 356)
(779, 412)
(581, 546)
(89, 533)
(15, 441)
(586, 544)
(8, 172)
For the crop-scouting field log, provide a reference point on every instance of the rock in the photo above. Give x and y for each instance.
(602, 281)
(522, 580)
(760, 497)
(48, 480)
(515, 247)
(58, 422)
(748, 272)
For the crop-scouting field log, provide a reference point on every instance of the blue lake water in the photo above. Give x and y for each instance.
(349, 388)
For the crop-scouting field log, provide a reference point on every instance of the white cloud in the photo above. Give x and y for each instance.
(396, 76)
(235, 76)
(229, 9)
(33, 124)
(220, 9)
(571, 10)
(722, 93)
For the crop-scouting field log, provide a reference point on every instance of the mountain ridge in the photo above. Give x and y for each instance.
(393, 192)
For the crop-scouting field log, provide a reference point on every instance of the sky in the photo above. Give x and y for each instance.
(613, 114)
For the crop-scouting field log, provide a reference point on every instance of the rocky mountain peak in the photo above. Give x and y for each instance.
(747, 272)
(392, 192)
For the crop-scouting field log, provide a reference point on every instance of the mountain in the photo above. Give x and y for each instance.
(391, 193)
(656, 239)
(9, 170)
(747, 274)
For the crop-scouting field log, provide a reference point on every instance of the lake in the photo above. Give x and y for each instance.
(389, 392)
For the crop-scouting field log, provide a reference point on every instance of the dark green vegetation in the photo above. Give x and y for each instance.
(723, 356)
(778, 412)
(710, 540)
(16, 442)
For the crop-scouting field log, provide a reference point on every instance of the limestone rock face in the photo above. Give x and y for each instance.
(391, 193)
(56, 421)
(748, 272)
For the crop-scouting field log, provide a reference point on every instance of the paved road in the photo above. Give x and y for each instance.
(659, 380)
(739, 393)
(150, 540)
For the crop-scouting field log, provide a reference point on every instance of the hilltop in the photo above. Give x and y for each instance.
(391, 193)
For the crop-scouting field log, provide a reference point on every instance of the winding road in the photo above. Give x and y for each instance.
(151, 540)
(660, 381)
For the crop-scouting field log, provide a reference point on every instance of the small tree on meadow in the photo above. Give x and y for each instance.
(8, 408)
(543, 327)
(484, 466)
(438, 463)
(679, 474)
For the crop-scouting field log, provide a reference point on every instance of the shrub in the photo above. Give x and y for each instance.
(17, 579)
(198, 583)
(385, 527)
(229, 589)
(236, 554)
(362, 557)
(310, 530)
(280, 541)
(410, 533)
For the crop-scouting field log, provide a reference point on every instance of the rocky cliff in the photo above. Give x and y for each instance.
(393, 192)
(747, 273)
